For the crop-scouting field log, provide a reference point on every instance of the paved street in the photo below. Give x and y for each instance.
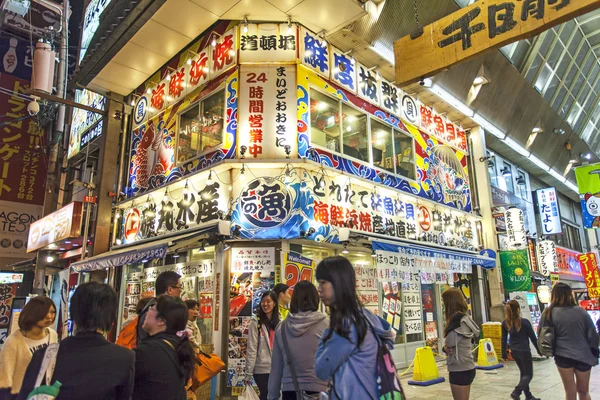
(498, 384)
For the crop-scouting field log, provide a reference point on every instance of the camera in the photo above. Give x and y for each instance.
(33, 108)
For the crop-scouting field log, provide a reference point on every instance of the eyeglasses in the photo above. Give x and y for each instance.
(180, 287)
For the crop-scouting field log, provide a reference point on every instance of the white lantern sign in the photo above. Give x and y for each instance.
(515, 228)
(547, 258)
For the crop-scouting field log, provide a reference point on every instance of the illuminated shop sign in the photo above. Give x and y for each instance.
(547, 203)
(91, 23)
(83, 120)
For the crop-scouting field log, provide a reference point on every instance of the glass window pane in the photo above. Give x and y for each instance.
(548, 39)
(587, 133)
(540, 83)
(405, 157)
(507, 173)
(591, 60)
(355, 139)
(563, 64)
(555, 55)
(533, 69)
(571, 75)
(575, 41)
(567, 106)
(574, 115)
(201, 127)
(383, 152)
(551, 88)
(592, 75)
(559, 98)
(492, 169)
(577, 85)
(324, 121)
(582, 53)
(567, 30)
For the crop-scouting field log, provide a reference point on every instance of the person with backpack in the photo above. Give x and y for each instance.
(86, 365)
(34, 333)
(575, 341)
(353, 352)
(296, 342)
(460, 334)
(165, 360)
(261, 335)
(132, 334)
(521, 332)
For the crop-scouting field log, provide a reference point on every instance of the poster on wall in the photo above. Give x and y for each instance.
(391, 307)
(588, 182)
(366, 285)
(297, 268)
(516, 275)
(202, 270)
(267, 127)
(15, 220)
(252, 274)
(590, 273)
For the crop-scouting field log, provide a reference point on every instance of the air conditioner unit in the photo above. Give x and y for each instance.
(19, 7)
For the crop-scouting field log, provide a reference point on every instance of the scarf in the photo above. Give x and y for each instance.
(454, 323)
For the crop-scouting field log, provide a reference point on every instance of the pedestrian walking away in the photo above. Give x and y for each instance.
(165, 360)
(293, 361)
(87, 365)
(575, 344)
(347, 353)
(460, 334)
(521, 333)
(261, 335)
(34, 333)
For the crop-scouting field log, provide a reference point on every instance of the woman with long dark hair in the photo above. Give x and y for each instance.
(575, 346)
(165, 360)
(521, 332)
(261, 335)
(87, 365)
(460, 334)
(34, 333)
(347, 353)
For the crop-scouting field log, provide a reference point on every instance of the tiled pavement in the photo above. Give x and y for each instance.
(498, 384)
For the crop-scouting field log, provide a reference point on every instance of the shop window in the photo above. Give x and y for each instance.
(325, 121)
(521, 185)
(383, 150)
(404, 156)
(201, 127)
(492, 168)
(507, 174)
(354, 133)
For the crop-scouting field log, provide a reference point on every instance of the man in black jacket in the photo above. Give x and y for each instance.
(169, 283)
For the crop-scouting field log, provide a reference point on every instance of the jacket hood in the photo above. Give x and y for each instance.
(298, 324)
(381, 327)
(468, 328)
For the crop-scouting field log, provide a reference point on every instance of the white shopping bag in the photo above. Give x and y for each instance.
(249, 394)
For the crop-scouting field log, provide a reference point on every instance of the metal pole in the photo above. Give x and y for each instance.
(87, 219)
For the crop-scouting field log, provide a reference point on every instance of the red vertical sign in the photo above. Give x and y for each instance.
(589, 271)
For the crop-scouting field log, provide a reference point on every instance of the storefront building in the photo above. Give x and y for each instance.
(260, 150)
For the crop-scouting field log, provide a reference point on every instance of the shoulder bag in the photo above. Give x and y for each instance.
(47, 391)
(300, 394)
(546, 337)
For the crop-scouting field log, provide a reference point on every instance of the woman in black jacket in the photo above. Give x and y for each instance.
(164, 361)
(87, 365)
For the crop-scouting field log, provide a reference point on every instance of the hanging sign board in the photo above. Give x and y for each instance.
(475, 29)
(547, 257)
(547, 204)
(62, 224)
(589, 271)
(515, 227)
(588, 182)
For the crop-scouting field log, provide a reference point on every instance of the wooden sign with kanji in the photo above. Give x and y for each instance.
(482, 26)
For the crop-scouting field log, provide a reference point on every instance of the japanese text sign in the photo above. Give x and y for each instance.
(547, 203)
(547, 257)
(588, 182)
(343, 70)
(314, 52)
(252, 259)
(83, 120)
(62, 224)
(479, 27)
(297, 268)
(267, 107)
(268, 43)
(516, 275)
(589, 271)
(515, 227)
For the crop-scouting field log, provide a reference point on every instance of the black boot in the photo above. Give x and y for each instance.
(515, 395)
(529, 396)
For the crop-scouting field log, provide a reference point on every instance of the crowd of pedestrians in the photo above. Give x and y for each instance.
(295, 350)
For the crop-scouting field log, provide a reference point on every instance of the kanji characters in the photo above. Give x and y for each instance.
(315, 53)
(268, 42)
(249, 42)
(176, 83)
(462, 24)
(507, 19)
(199, 69)
(223, 53)
(158, 96)
(343, 70)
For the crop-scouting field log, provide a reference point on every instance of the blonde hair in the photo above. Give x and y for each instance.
(454, 303)
(513, 315)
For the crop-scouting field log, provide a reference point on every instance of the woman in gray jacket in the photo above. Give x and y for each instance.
(575, 342)
(260, 343)
(460, 333)
(303, 329)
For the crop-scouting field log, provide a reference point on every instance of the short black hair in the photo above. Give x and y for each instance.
(34, 311)
(280, 288)
(164, 281)
(305, 297)
(191, 303)
(142, 304)
(94, 307)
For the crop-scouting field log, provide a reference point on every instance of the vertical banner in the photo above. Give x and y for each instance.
(267, 107)
(547, 203)
(252, 275)
(515, 227)
(7, 294)
(63, 277)
(516, 275)
(547, 257)
(589, 271)
(588, 182)
(298, 268)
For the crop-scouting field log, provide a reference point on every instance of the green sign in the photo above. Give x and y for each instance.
(516, 275)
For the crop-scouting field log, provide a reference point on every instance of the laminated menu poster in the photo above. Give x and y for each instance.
(516, 275)
(391, 307)
(366, 285)
(252, 275)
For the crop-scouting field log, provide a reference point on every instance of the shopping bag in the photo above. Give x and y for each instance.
(207, 366)
(249, 394)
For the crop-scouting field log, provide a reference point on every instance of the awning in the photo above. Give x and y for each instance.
(427, 251)
(130, 254)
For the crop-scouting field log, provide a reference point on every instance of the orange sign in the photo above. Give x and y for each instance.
(62, 224)
(589, 271)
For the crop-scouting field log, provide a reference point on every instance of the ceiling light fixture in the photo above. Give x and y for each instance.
(245, 28)
(587, 156)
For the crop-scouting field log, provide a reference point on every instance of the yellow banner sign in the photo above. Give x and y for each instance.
(484, 25)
